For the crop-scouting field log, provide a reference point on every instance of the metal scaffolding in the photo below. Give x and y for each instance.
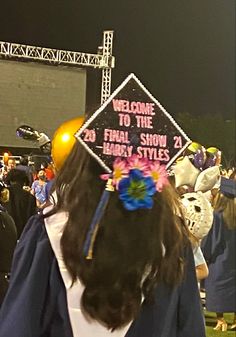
(109, 61)
(102, 60)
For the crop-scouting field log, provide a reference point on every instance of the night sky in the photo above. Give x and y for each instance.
(183, 51)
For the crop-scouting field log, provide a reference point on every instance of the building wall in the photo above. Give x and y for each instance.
(42, 96)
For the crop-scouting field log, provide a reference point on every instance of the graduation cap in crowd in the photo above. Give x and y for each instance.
(228, 187)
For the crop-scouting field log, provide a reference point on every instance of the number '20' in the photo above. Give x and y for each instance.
(89, 136)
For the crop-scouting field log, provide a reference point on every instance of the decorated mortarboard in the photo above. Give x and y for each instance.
(228, 187)
(131, 122)
(134, 139)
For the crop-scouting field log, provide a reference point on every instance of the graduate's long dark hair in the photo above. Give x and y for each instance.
(133, 251)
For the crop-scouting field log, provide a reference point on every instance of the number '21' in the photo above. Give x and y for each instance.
(178, 142)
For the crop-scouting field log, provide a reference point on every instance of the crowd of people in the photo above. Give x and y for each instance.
(137, 273)
(20, 198)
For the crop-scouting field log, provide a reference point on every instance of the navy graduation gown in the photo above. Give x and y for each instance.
(35, 302)
(36, 305)
(219, 249)
(8, 239)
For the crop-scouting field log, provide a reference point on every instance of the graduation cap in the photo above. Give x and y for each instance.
(228, 187)
(131, 122)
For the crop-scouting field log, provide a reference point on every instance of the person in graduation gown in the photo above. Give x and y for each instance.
(219, 248)
(8, 238)
(24, 166)
(21, 204)
(136, 279)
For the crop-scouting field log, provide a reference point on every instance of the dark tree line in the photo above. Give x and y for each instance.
(211, 130)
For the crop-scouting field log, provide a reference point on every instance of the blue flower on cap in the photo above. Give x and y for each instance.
(136, 190)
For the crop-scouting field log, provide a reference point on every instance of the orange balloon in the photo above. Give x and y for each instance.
(64, 140)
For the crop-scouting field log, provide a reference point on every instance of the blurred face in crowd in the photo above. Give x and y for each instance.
(11, 164)
(42, 175)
